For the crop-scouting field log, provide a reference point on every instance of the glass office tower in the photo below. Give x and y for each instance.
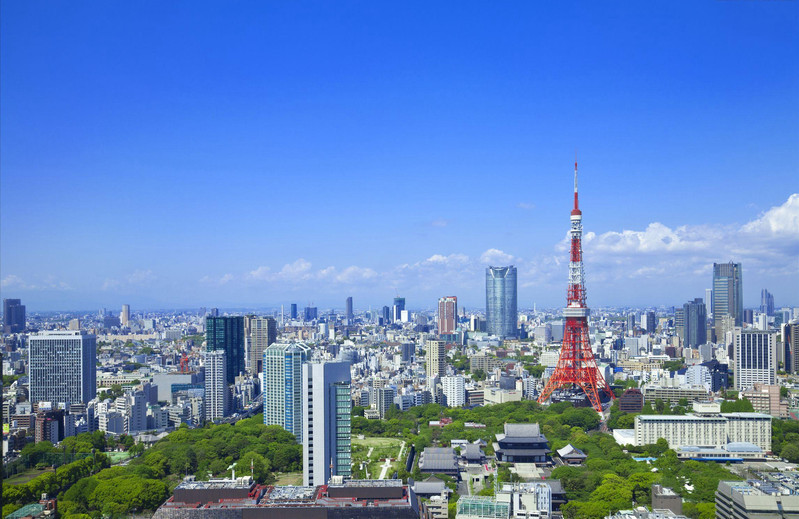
(501, 301)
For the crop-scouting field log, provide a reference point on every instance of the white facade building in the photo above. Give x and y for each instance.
(216, 390)
(62, 367)
(454, 388)
(755, 358)
(706, 427)
(327, 418)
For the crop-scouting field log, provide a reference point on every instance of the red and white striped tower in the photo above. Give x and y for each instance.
(576, 364)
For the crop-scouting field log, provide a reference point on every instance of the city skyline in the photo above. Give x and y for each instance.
(424, 158)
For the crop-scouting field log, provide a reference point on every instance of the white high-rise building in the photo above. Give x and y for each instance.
(282, 386)
(62, 367)
(454, 390)
(326, 406)
(754, 358)
(216, 390)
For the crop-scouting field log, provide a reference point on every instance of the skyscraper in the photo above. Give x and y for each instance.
(282, 392)
(263, 332)
(124, 316)
(327, 444)
(399, 306)
(727, 297)
(293, 311)
(447, 315)
(436, 358)
(62, 367)
(755, 358)
(310, 313)
(650, 322)
(13, 316)
(501, 301)
(227, 334)
(216, 384)
(694, 323)
(766, 302)
(348, 311)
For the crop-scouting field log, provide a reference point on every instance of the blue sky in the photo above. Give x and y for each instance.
(181, 154)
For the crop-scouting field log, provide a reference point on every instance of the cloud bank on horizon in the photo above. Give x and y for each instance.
(623, 267)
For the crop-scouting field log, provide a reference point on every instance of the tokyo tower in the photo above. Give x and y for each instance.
(576, 364)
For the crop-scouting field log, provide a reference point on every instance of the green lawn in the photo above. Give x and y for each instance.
(382, 448)
(377, 442)
(24, 477)
(289, 478)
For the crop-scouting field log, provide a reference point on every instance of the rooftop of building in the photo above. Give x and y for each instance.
(376, 493)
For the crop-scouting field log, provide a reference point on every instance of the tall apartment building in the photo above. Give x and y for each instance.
(261, 333)
(454, 388)
(227, 334)
(447, 315)
(436, 358)
(282, 386)
(384, 399)
(216, 385)
(501, 301)
(694, 323)
(62, 367)
(727, 298)
(124, 315)
(327, 428)
(13, 316)
(754, 358)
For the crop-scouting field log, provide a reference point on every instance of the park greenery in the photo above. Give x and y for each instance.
(90, 487)
(609, 481)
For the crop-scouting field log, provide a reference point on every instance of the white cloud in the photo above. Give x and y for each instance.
(14, 282)
(140, 276)
(767, 245)
(300, 269)
(441, 222)
(496, 257)
(261, 273)
(782, 221)
(355, 274)
(526, 206)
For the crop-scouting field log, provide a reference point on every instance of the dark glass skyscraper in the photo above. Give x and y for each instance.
(695, 323)
(348, 311)
(501, 301)
(227, 333)
(13, 316)
(727, 297)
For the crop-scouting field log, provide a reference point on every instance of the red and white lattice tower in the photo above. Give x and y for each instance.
(576, 364)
